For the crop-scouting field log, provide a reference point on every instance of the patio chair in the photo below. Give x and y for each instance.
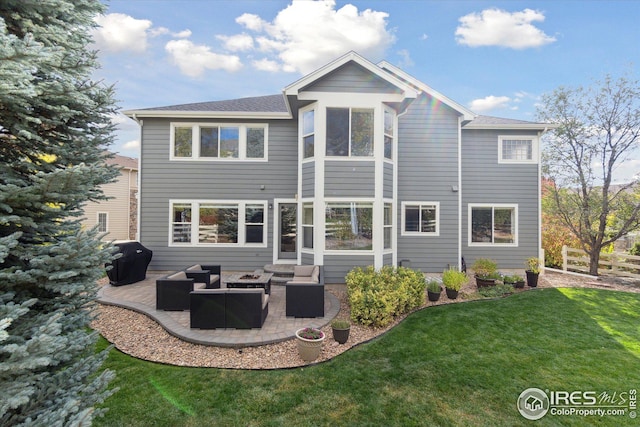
(305, 292)
(246, 308)
(208, 308)
(207, 274)
(172, 291)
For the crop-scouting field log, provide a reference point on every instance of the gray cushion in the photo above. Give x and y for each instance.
(315, 276)
(180, 275)
(303, 270)
(195, 267)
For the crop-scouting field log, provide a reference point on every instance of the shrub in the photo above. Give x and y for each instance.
(454, 279)
(340, 324)
(376, 297)
(635, 249)
(496, 291)
(485, 268)
(434, 286)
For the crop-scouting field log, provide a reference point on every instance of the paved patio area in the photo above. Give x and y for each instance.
(141, 297)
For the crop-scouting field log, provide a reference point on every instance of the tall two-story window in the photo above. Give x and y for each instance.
(308, 133)
(350, 132)
(493, 224)
(218, 141)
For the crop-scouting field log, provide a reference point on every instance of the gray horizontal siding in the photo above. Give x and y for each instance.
(307, 259)
(163, 180)
(349, 179)
(486, 181)
(353, 78)
(388, 181)
(387, 259)
(336, 267)
(427, 170)
(308, 179)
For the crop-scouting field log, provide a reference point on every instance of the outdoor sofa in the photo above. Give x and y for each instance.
(305, 292)
(237, 308)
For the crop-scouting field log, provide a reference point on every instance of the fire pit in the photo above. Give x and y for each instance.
(249, 277)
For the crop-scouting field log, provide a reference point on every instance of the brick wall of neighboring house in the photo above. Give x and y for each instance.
(133, 214)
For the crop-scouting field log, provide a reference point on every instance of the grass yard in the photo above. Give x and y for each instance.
(455, 364)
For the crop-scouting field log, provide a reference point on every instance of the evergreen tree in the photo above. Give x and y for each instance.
(54, 127)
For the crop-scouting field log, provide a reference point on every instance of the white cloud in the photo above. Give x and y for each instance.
(118, 32)
(406, 60)
(131, 145)
(194, 59)
(239, 42)
(266, 65)
(308, 34)
(495, 27)
(489, 103)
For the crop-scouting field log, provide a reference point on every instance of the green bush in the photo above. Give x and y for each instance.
(454, 279)
(376, 297)
(635, 249)
(496, 291)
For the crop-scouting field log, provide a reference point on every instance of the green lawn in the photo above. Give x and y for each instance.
(457, 364)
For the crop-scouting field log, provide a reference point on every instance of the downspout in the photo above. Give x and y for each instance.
(394, 234)
(540, 250)
(460, 119)
(139, 179)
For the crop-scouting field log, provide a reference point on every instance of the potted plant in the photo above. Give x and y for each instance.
(340, 329)
(486, 272)
(433, 290)
(533, 271)
(515, 280)
(453, 281)
(309, 343)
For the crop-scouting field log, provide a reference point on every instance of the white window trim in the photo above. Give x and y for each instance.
(195, 142)
(535, 144)
(493, 206)
(403, 232)
(195, 221)
(106, 225)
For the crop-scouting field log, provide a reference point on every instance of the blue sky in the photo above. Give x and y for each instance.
(496, 58)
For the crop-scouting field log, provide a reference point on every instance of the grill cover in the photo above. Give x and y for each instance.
(131, 267)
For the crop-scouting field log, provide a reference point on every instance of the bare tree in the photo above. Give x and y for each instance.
(598, 129)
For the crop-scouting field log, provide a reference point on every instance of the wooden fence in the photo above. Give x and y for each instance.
(614, 263)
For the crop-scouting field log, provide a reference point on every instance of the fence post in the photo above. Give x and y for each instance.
(564, 257)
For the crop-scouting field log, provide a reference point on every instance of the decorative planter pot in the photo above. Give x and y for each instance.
(433, 296)
(341, 335)
(451, 294)
(485, 283)
(519, 284)
(532, 278)
(309, 349)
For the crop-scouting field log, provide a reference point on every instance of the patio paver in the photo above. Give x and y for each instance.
(141, 297)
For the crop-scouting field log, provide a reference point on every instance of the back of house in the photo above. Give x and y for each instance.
(354, 164)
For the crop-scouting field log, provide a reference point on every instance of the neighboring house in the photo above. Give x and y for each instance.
(355, 164)
(118, 216)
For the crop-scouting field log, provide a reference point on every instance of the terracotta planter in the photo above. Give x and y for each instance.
(309, 350)
(451, 294)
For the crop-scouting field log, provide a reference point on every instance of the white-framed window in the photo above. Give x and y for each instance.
(218, 223)
(420, 218)
(493, 224)
(349, 132)
(308, 134)
(349, 226)
(103, 222)
(218, 141)
(388, 225)
(389, 132)
(517, 149)
(307, 225)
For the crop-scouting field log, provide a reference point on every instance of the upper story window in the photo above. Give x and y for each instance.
(388, 133)
(517, 149)
(308, 133)
(350, 132)
(218, 141)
